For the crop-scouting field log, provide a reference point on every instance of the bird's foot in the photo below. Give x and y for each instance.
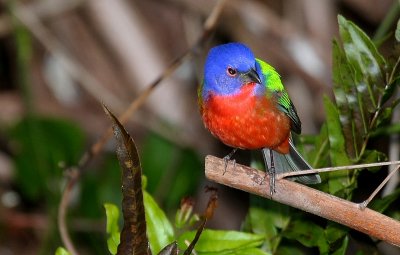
(227, 158)
(272, 181)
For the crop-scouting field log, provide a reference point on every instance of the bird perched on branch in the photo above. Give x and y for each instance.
(245, 105)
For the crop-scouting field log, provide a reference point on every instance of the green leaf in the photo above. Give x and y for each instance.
(262, 224)
(252, 251)
(343, 248)
(221, 242)
(337, 143)
(351, 113)
(266, 221)
(335, 232)
(61, 251)
(290, 250)
(112, 213)
(373, 156)
(307, 233)
(359, 83)
(387, 130)
(319, 157)
(390, 89)
(365, 59)
(397, 33)
(338, 180)
(159, 228)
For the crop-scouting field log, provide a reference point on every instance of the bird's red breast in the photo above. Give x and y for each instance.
(247, 121)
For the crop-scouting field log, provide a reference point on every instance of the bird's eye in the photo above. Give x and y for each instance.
(231, 71)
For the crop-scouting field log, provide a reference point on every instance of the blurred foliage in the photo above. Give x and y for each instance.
(40, 144)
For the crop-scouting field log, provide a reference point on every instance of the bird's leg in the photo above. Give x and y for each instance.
(227, 158)
(272, 175)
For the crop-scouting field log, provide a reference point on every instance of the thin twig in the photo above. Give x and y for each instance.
(307, 199)
(364, 204)
(337, 168)
(62, 211)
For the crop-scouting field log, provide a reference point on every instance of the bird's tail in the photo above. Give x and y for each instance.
(292, 161)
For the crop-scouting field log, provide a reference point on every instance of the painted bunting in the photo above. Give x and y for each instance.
(244, 104)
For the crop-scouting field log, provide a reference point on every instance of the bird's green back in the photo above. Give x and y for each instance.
(274, 86)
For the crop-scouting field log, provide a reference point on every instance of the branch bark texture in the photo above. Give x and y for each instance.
(305, 198)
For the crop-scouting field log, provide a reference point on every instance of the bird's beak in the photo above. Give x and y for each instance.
(250, 76)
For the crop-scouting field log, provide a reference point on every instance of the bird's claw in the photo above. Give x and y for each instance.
(272, 183)
(226, 160)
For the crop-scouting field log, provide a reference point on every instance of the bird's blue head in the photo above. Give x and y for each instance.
(228, 67)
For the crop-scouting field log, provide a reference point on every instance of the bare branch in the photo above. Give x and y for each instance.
(369, 199)
(305, 198)
(62, 211)
(337, 168)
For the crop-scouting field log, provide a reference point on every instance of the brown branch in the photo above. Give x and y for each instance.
(305, 198)
(62, 212)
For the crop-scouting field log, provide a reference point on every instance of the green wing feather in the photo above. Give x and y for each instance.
(274, 85)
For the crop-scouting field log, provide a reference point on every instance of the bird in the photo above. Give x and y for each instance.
(243, 103)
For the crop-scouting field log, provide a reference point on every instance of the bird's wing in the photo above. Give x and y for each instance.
(286, 105)
(274, 84)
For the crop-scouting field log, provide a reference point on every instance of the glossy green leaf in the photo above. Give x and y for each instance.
(359, 75)
(307, 233)
(61, 251)
(112, 213)
(351, 113)
(338, 180)
(366, 61)
(221, 242)
(159, 228)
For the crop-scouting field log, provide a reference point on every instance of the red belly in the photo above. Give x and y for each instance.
(246, 121)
